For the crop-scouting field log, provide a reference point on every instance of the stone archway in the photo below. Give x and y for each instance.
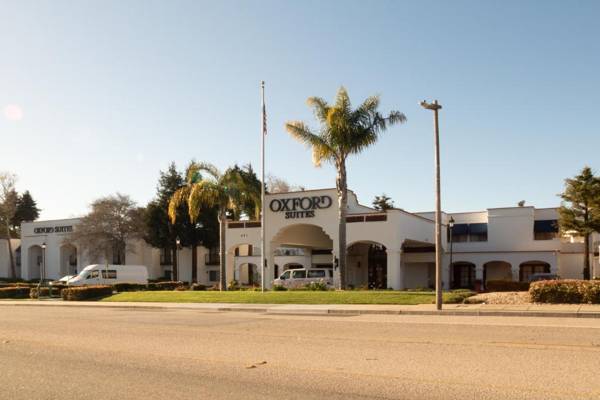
(528, 268)
(35, 260)
(462, 275)
(367, 265)
(68, 260)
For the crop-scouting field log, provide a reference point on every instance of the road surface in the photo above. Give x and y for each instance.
(124, 353)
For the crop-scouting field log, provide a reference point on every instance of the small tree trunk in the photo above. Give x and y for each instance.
(586, 255)
(174, 274)
(222, 253)
(194, 262)
(342, 191)
(13, 269)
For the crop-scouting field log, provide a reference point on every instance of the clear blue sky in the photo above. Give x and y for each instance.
(97, 97)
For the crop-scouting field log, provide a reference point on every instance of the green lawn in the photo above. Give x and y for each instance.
(289, 297)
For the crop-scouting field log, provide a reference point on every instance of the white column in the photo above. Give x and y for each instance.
(394, 270)
(515, 272)
(479, 272)
(270, 265)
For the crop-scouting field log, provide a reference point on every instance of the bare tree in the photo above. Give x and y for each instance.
(104, 232)
(8, 208)
(280, 185)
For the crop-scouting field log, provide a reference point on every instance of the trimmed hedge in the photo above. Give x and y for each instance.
(78, 293)
(167, 285)
(198, 286)
(45, 291)
(506, 286)
(19, 292)
(570, 291)
(129, 287)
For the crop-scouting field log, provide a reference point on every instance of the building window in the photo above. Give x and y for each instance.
(460, 233)
(213, 276)
(165, 256)
(478, 232)
(545, 229)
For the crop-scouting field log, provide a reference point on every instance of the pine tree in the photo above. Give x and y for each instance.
(26, 211)
(383, 202)
(580, 210)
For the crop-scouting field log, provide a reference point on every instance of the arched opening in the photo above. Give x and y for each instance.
(367, 265)
(529, 268)
(247, 275)
(35, 259)
(497, 271)
(68, 260)
(463, 275)
(302, 246)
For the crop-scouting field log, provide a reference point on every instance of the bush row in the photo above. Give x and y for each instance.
(78, 293)
(506, 286)
(565, 291)
(20, 292)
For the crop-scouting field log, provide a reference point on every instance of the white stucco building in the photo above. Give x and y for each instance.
(393, 249)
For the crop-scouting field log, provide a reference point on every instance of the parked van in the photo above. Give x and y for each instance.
(297, 278)
(102, 274)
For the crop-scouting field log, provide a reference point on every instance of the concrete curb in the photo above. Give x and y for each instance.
(298, 309)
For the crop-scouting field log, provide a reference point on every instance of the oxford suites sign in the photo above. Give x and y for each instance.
(300, 207)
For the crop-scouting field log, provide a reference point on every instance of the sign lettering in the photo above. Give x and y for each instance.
(54, 229)
(300, 207)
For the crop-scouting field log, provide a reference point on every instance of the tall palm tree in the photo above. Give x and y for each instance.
(344, 131)
(228, 191)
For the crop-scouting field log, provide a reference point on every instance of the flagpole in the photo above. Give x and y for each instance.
(263, 132)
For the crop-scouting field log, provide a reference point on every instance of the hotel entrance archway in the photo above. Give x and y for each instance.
(367, 265)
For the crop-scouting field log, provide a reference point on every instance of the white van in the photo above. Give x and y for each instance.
(297, 278)
(102, 274)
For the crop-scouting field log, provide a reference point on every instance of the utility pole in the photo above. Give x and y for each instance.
(435, 107)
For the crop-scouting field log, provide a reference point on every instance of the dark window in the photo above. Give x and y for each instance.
(373, 218)
(528, 269)
(351, 219)
(460, 233)
(478, 232)
(545, 229)
(110, 274)
(213, 276)
(299, 274)
(165, 256)
(321, 251)
(316, 273)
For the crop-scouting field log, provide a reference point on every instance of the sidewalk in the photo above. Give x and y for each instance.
(528, 310)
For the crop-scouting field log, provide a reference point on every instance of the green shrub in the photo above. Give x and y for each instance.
(565, 291)
(506, 286)
(457, 296)
(233, 285)
(78, 293)
(279, 288)
(129, 287)
(198, 286)
(166, 285)
(316, 286)
(15, 292)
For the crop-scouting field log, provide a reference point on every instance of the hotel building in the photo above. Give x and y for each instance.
(392, 249)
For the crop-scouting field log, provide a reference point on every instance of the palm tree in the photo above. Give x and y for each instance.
(227, 191)
(344, 131)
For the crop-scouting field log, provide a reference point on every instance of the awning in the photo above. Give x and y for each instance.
(545, 225)
(460, 229)
(478, 228)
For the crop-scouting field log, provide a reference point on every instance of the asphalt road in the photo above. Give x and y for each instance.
(98, 353)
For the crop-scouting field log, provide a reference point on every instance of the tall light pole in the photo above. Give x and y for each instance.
(451, 227)
(435, 107)
(176, 269)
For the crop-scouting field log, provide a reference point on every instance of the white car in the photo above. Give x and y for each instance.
(102, 274)
(298, 278)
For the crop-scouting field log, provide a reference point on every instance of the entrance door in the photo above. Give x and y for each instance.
(377, 267)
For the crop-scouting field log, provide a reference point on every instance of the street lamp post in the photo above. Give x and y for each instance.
(435, 107)
(451, 226)
(176, 269)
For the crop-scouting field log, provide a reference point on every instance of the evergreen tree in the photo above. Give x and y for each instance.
(26, 211)
(383, 202)
(580, 210)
